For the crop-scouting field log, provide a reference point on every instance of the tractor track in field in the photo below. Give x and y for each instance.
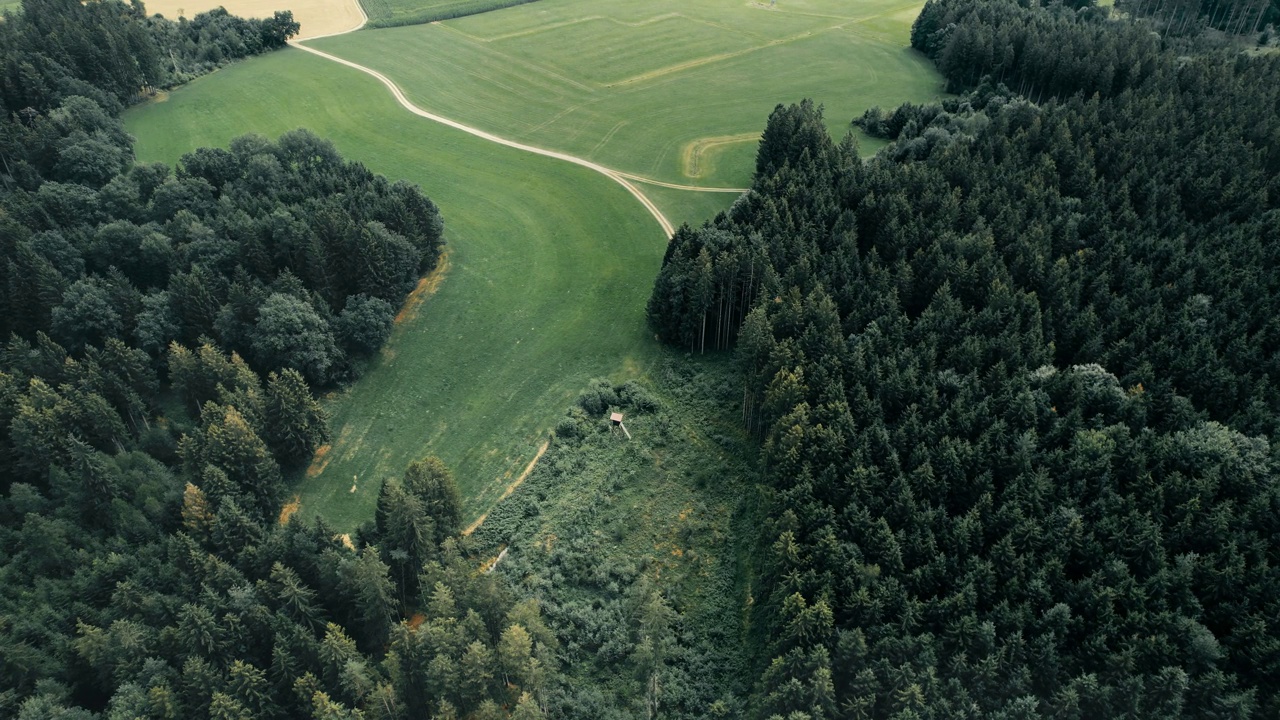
(626, 180)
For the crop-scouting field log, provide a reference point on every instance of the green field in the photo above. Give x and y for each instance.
(671, 89)
(549, 269)
(390, 13)
(549, 264)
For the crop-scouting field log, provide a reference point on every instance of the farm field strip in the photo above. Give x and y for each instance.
(543, 74)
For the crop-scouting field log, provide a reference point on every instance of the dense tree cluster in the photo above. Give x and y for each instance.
(242, 279)
(1037, 51)
(1235, 17)
(193, 608)
(1015, 380)
(162, 329)
(113, 53)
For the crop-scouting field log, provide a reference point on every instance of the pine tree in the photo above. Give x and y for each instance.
(433, 483)
(294, 423)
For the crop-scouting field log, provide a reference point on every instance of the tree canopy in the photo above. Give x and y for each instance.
(1014, 380)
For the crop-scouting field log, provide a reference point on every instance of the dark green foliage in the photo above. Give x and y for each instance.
(109, 52)
(290, 334)
(364, 324)
(433, 484)
(1235, 17)
(294, 422)
(145, 572)
(1013, 387)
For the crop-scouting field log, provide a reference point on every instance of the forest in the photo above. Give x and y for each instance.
(164, 330)
(1001, 401)
(1014, 379)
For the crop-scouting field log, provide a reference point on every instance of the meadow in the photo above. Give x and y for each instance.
(548, 269)
(676, 90)
(548, 265)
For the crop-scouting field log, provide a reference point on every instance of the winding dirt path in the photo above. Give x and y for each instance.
(626, 180)
(510, 489)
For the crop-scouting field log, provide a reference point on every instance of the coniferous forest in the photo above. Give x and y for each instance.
(1015, 380)
(1014, 385)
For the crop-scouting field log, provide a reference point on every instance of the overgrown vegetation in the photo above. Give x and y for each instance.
(637, 549)
(1013, 380)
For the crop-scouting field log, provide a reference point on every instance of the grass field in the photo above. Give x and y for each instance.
(672, 89)
(390, 13)
(549, 266)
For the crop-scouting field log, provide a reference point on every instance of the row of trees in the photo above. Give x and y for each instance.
(1015, 379)
(1235, 17)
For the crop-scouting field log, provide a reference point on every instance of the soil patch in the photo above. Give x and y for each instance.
(427, 287)
(289, 509)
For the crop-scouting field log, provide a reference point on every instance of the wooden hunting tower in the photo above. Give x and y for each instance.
(616, 419)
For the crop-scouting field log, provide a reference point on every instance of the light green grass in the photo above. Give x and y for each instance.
(390, 13)
(636, 85)
(550, 267)
(682, 206)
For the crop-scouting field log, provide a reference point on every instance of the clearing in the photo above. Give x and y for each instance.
(603, 517)
(548, 266)
(549, 269)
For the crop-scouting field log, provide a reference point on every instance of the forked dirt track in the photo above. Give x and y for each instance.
(624, 179)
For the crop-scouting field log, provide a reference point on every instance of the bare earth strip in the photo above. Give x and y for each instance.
(510, 489)
(318, 18)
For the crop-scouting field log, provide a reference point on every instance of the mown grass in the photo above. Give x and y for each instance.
(672, 89)
(392, 13)
(549, 269)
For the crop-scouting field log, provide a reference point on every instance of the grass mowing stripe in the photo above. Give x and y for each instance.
(550, 266)
(701, 69)
(391, 13)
